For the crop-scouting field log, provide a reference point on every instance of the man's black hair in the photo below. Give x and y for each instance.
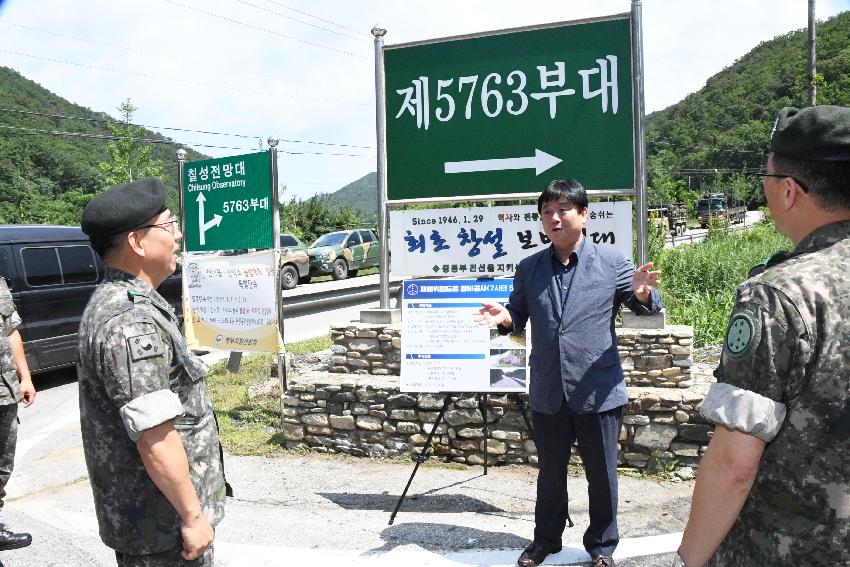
(568, 189)
(827, 182)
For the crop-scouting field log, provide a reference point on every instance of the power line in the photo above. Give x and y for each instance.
(153, 127)
(38, 131)
(183, 81)
(169, 57)
(312, 16)
(346, 36)
(264, 30)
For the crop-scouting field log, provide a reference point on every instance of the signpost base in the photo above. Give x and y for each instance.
(380, 315)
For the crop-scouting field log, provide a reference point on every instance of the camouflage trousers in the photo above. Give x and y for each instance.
(8, 441)
(170, 558)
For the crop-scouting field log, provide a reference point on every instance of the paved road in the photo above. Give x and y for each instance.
(324, 510)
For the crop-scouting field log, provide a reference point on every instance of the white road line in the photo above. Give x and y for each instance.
(239, 555)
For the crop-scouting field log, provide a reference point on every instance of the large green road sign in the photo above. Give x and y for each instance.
(507, 112)
(227, 203)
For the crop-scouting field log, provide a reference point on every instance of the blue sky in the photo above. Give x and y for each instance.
(303, 71)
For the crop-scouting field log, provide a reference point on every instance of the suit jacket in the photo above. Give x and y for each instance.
(574, 349)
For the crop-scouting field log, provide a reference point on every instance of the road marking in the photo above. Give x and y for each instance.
(539, 162)
(238, 555)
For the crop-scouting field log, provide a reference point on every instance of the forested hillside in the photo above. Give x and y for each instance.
(45, 176)
(360, 195)
(717, 136)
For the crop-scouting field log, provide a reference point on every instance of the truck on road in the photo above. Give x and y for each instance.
(673, 217)
(716, 205)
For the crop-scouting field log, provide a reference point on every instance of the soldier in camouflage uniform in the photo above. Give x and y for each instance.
(149, 432)
(774, 485)
(16, 386)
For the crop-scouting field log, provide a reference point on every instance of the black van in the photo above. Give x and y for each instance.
(52, 271)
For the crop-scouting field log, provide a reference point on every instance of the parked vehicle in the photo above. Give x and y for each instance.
(51, 272)
(341, 254)
(717, 205)
(674, 217)
(294, 261)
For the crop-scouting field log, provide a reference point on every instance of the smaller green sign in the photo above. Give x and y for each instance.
(228, 204)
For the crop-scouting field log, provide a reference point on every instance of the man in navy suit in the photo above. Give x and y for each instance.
(572, 291)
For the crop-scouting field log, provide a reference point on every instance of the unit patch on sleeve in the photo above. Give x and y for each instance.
(145, 346)
(741, 335)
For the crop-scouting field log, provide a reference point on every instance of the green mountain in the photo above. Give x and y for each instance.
(717, 137)
(360, 195)
(49, 154)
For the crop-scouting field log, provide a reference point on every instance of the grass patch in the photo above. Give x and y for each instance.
(248, 427)
(699, 281)
(310, 345)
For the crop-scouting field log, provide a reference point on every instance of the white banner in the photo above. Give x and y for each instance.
(229, 302)
(489, 240)
(445, 350)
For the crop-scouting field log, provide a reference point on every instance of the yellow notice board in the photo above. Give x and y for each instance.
(229, 302)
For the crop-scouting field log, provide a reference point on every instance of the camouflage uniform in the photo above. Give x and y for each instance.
(135, 372)
(783, 377)
(10, 393)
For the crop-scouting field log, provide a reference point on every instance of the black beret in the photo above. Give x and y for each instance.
(123, 207)
(816, 133)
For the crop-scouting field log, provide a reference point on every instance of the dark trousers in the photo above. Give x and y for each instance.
(597, 435)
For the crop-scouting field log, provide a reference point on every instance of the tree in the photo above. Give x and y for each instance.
(129, 156)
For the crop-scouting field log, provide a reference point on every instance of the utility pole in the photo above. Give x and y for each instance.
(812, 56)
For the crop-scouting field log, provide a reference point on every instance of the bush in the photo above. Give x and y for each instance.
(699, 281)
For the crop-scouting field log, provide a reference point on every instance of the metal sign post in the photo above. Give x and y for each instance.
(639, 136)
(380, 129)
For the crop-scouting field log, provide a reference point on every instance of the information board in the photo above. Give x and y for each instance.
(229, 302)
(498, 112)
(445, 350)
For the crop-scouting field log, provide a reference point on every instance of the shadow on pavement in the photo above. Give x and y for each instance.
(445, 503)
(441, 538)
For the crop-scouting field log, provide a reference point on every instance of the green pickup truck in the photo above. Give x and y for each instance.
(341, 254)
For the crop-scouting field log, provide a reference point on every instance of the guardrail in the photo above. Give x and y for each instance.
(696, 238)
(326, 299)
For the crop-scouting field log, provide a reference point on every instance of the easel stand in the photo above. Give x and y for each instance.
(482, 406)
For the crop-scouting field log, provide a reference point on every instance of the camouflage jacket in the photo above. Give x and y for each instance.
(9, 384)
(135, 372)
(787, 341)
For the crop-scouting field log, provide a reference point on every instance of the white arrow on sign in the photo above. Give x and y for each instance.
(539, 162)
(203, 226)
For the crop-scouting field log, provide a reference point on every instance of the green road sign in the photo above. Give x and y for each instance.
(227, 203)
(509, 111)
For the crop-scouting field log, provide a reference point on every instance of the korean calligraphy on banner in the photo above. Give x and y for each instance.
(489, 240)
(445, 350)
(229, 302)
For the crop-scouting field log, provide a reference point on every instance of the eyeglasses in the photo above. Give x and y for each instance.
(762, 176)
(172, 225)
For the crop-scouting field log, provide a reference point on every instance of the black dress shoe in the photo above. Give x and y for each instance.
(534, 555)
(603, 561)
(11, 540)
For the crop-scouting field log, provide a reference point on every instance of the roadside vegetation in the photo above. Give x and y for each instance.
(252, 426)
(699, 281)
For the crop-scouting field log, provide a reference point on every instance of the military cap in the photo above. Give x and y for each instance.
(123, 207)
(816, 133)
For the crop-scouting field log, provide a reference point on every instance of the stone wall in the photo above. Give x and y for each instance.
(650, 357)
(366, 415)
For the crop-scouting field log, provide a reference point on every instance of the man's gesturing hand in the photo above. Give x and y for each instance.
(643, 280)
(492, 314)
